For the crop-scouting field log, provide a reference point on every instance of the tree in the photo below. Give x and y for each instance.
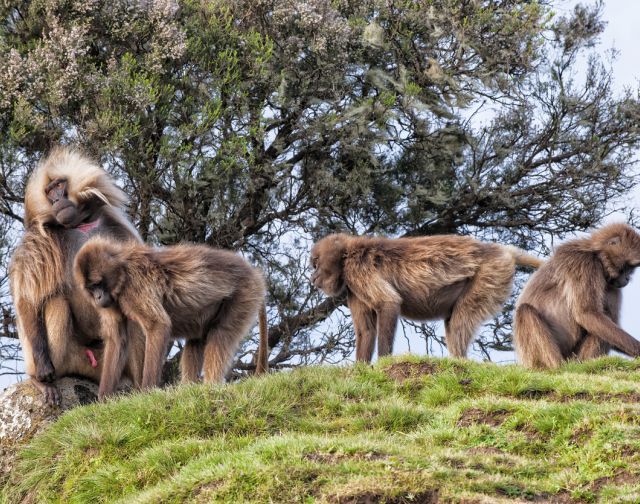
(260, 126)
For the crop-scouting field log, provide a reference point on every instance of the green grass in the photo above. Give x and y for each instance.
(404, 430)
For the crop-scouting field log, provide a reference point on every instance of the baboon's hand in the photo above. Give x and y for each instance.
(45, 372)
(50, 392)
(52, 395)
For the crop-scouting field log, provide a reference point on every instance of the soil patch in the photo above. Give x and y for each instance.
(531, 432)
(630, 397)
(533, 394)
(474, 416)
(402, 371)
(336, 458)
(455, 463)
(628, 451)
(207, 488)
(581, 436)
(583, 395)
(578, 396)
(559, 498)
(621, 478)
(517, 491)
(428, 497)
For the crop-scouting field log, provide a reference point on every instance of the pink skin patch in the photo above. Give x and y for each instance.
(88, 226)
(91, 357)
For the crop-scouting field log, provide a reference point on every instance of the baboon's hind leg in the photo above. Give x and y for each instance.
(232, 324)
(534, 340)
(135, 353)
(192, 360)
(67, 353)
(483, 297)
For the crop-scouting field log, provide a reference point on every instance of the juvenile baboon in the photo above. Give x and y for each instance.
(455, 278)
(571, 306)
(67, 199)
(209, 297)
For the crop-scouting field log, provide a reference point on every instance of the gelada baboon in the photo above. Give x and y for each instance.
(67, 199)
(455, 278)
(570, 307)
(209, 297)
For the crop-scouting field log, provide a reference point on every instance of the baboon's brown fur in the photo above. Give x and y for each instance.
(571, 306)
(209, 297)
(455, 278)
(68, 198)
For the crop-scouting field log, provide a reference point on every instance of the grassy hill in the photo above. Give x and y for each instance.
(406, 430)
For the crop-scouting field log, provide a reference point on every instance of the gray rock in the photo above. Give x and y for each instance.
(23, 413)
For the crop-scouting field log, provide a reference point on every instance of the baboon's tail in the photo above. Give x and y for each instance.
(262, 359)
(522, 258)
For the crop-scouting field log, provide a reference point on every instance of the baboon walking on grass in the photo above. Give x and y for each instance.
(456, 278)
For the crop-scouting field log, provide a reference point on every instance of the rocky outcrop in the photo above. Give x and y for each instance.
(23, 413)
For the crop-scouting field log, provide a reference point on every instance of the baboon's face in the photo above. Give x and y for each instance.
(327, 264)
(100, 294)
(98, 272)
(633, 255)
(628, 250)
(624, 278)
(64, 210)
(623, 250)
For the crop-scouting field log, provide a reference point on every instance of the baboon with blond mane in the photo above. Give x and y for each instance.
(456, 278)
(68, 198)
(570, 308)
(209, 297)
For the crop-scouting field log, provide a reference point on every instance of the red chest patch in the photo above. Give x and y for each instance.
(88, 226)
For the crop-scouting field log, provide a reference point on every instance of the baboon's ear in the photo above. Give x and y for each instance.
(615, 240)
